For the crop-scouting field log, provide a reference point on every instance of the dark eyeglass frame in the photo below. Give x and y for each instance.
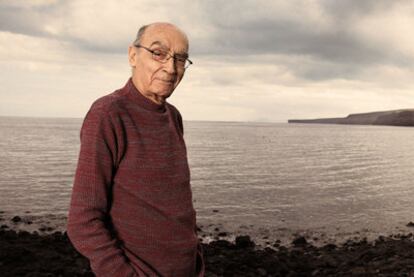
(154, 54)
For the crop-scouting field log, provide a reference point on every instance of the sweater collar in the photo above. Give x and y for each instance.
(141, 100)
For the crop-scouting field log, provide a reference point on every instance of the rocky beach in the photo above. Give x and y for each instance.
(47, 252)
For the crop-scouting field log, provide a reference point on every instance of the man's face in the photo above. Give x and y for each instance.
(154, 79)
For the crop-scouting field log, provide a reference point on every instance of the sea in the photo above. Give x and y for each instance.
(271, 181)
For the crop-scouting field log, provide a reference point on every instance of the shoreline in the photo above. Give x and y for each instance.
(212, 230)
(31, 254)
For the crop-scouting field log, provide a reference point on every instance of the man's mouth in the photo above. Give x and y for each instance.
(166, 80)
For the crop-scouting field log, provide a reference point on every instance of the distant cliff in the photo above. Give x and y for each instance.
(393, 118)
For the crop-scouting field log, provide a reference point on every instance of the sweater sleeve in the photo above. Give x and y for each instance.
(87, 225)
(200, 263)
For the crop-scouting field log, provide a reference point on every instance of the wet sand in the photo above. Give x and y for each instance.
(51, 254)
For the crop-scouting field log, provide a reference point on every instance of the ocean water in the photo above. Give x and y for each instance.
(327, 182)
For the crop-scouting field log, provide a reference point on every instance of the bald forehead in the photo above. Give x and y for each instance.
(167, 35)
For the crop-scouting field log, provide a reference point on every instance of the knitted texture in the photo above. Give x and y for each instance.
(131, 211)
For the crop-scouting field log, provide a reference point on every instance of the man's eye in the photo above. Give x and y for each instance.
(159, 53)
(180, 59)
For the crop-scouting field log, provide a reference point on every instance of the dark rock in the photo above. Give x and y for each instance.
(215, 211)
(358, 271)
(329, 246)
(261, 272)
(222, 234)
(299, 241)
(410, 224)
(244, 242)
(16, 219)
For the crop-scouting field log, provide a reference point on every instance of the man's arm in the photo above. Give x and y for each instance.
(200, 263)
(88, 212)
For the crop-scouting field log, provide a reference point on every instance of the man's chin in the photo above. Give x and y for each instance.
(164, 92)
(163, 95)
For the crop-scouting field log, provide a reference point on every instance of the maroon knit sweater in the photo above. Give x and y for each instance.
(131, 212)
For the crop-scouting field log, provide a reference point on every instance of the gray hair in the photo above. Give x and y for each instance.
(140, 33)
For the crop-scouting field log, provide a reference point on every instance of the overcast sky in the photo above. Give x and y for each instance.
(253, 60)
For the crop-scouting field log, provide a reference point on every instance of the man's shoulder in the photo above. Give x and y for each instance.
(111, 102)
(173, 109)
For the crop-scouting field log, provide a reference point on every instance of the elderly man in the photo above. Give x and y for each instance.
(131, 212)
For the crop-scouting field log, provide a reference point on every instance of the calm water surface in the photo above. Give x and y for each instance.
(329, 181)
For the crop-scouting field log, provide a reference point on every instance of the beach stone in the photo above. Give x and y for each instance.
(244, 242)
(358, 270)
(215, 211)
(329, 246)
(221, 243)
(24, 234)
(331, 262)
(410, 224)
(16, 219)
(299, 241)
(261, 272)
(222, 234)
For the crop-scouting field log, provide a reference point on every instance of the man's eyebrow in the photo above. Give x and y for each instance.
(181, 54)
(156, 42)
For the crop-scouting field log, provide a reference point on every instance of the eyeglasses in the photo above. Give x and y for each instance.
(163, 56)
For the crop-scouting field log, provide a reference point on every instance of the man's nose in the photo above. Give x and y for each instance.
(170, 66)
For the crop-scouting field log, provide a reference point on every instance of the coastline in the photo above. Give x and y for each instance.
(49, 253)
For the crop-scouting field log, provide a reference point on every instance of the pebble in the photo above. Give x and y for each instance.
(299, 241)
(16, 219)
(244, 242)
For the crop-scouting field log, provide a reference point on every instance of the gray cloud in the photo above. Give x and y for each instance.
(345, 10)
(322, 32)
(264, 33)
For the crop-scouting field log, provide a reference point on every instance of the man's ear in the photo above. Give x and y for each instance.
(132, 55)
